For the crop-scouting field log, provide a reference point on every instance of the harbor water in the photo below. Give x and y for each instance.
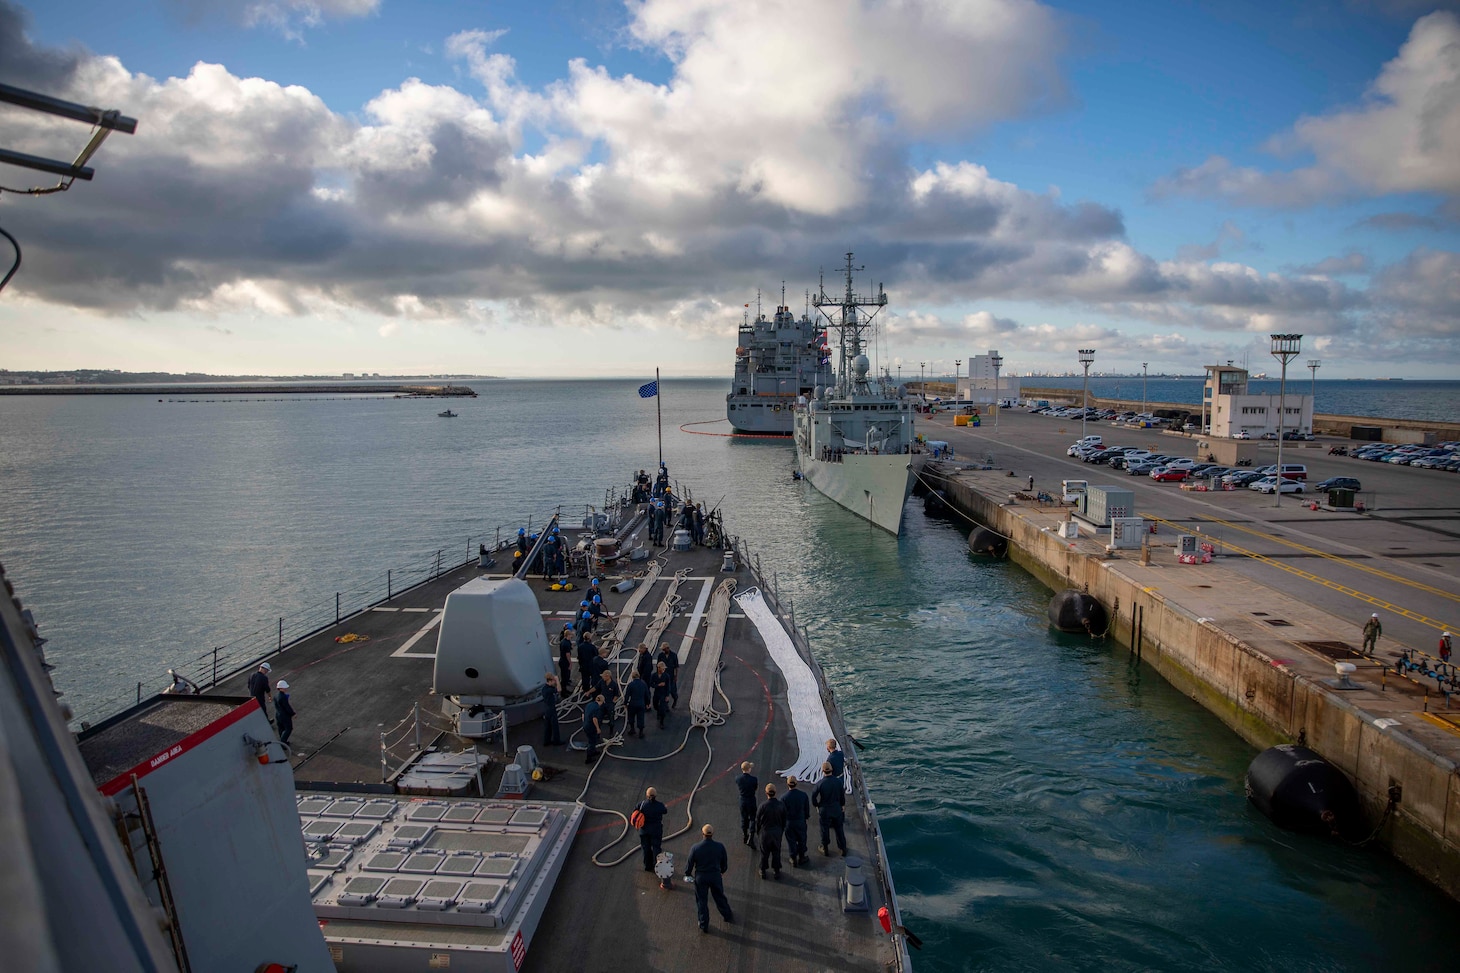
(1048, 803)
(1424, 400)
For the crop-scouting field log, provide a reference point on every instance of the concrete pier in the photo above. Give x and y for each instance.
(1254, 634)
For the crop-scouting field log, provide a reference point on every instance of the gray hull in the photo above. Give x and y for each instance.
(760, 421)
(874, 487)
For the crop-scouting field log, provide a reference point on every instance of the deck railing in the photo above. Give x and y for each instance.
(269, 637)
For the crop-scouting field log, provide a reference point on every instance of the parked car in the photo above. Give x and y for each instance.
(1244, 434)
(1242, 478)
(1432, 462)
(1169, 474)
(1268, 484)
(1338, 483)
(1143, 468)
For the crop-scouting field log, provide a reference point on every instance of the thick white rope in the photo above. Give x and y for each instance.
(702, 710)
(803, 696)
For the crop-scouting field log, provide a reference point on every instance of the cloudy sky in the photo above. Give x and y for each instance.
(598, 188)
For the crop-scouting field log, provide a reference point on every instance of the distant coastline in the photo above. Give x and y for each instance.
(114, 377)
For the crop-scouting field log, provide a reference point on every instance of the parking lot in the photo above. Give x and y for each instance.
(1401, 558)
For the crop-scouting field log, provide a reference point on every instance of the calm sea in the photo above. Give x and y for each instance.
(1430, 401)
(1048, 803)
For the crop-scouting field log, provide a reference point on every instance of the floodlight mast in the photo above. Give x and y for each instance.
(1087, 355)
(1285, 347)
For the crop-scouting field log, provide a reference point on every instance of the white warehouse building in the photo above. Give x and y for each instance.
(1229, 409)
(982, 387)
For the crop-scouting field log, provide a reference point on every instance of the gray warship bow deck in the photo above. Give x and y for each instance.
(348, 693)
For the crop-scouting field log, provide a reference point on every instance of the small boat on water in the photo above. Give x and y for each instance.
(448, 414)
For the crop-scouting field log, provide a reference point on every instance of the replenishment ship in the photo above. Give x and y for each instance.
(776, 361)
(855, 439)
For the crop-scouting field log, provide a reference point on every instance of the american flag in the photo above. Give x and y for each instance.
(649, 391)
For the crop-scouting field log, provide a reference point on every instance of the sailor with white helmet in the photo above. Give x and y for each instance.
(1445, 647)
(283, 712)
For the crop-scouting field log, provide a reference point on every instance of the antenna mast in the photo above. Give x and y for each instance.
(851, 323)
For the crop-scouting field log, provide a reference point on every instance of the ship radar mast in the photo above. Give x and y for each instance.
(852, 321)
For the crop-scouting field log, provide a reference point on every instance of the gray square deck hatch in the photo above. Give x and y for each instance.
(313, 805)
(497, 867)
(321, 829)
(461, 814)
(427, 811)
(386, 861)
(399, 893)
(479, 896)
(459, 865)
(343, 808)
(361, 890)
(438, 895)
(529, 817)
(356, 831)
(495, 815)
(410, 834)
(377, 810)
(425, 862)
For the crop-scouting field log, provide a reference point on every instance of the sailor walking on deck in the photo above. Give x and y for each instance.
(551, 737)
(798, 813)
(258, 687)
(771, 821)
(659, 685)
(636, 700)
(670, 659)
(836, 758)
(649, 813)
(609, 695)
(831, 799)
(592, 729)
(565, 659)
(283, 712)
(748, 784)
(707, 863)
(656, 523)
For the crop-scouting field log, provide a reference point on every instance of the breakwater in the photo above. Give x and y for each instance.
(252, 388)
(1259, 658)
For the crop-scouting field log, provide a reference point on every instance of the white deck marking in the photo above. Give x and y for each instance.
(378, 608)
(404, 652)
(693, 625)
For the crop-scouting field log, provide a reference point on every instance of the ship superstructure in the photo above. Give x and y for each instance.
(776, 361)
(855, 438)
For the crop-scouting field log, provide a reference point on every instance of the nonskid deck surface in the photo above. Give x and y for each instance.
(606, 918)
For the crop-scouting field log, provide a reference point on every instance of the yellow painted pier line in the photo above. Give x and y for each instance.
(1378, 572)
(1320, 580)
